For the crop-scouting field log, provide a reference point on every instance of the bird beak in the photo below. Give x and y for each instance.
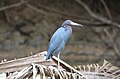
(76, 24)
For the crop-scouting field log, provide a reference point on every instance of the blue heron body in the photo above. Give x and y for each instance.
(59, 38)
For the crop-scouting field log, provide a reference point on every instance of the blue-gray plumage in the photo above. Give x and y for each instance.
(60, 37)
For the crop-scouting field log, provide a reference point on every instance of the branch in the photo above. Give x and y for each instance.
(58, 13)
(107, 10)
(107, 32)
(112, 42)
(97, 16)
(39, 10)
(53, 10)
(93, 23)
(103, 20)
(11, 6)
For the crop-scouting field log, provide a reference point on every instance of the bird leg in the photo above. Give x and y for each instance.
(58, 60)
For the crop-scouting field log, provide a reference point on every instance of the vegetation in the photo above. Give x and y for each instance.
(38, 68)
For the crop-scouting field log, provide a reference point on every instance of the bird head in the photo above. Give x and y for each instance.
(70, 23)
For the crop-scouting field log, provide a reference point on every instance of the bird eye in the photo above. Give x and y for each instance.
(68, 22)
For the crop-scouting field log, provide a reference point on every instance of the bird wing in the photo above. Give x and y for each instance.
(55, 41)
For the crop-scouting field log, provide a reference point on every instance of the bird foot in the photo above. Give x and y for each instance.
(49, 59)
(61, 69)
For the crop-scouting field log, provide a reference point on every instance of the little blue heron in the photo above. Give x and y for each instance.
(59, 39)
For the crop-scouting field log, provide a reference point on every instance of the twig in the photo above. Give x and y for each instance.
(62, 13)
(113, 44)
(107, 32)
(5, 13)
(36, 9)
(93, 23)
(40, 10)
(11, 6)
(103, 20)
(97, 16)
(57, 13)
(107, 10)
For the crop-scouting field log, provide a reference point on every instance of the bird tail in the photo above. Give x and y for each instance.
(48, 56)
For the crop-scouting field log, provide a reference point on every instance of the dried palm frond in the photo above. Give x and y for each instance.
(93, 71)
(44, 72)
(106, 70)
(24, 68)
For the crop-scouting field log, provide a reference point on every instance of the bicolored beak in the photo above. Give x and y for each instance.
(75, 24)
